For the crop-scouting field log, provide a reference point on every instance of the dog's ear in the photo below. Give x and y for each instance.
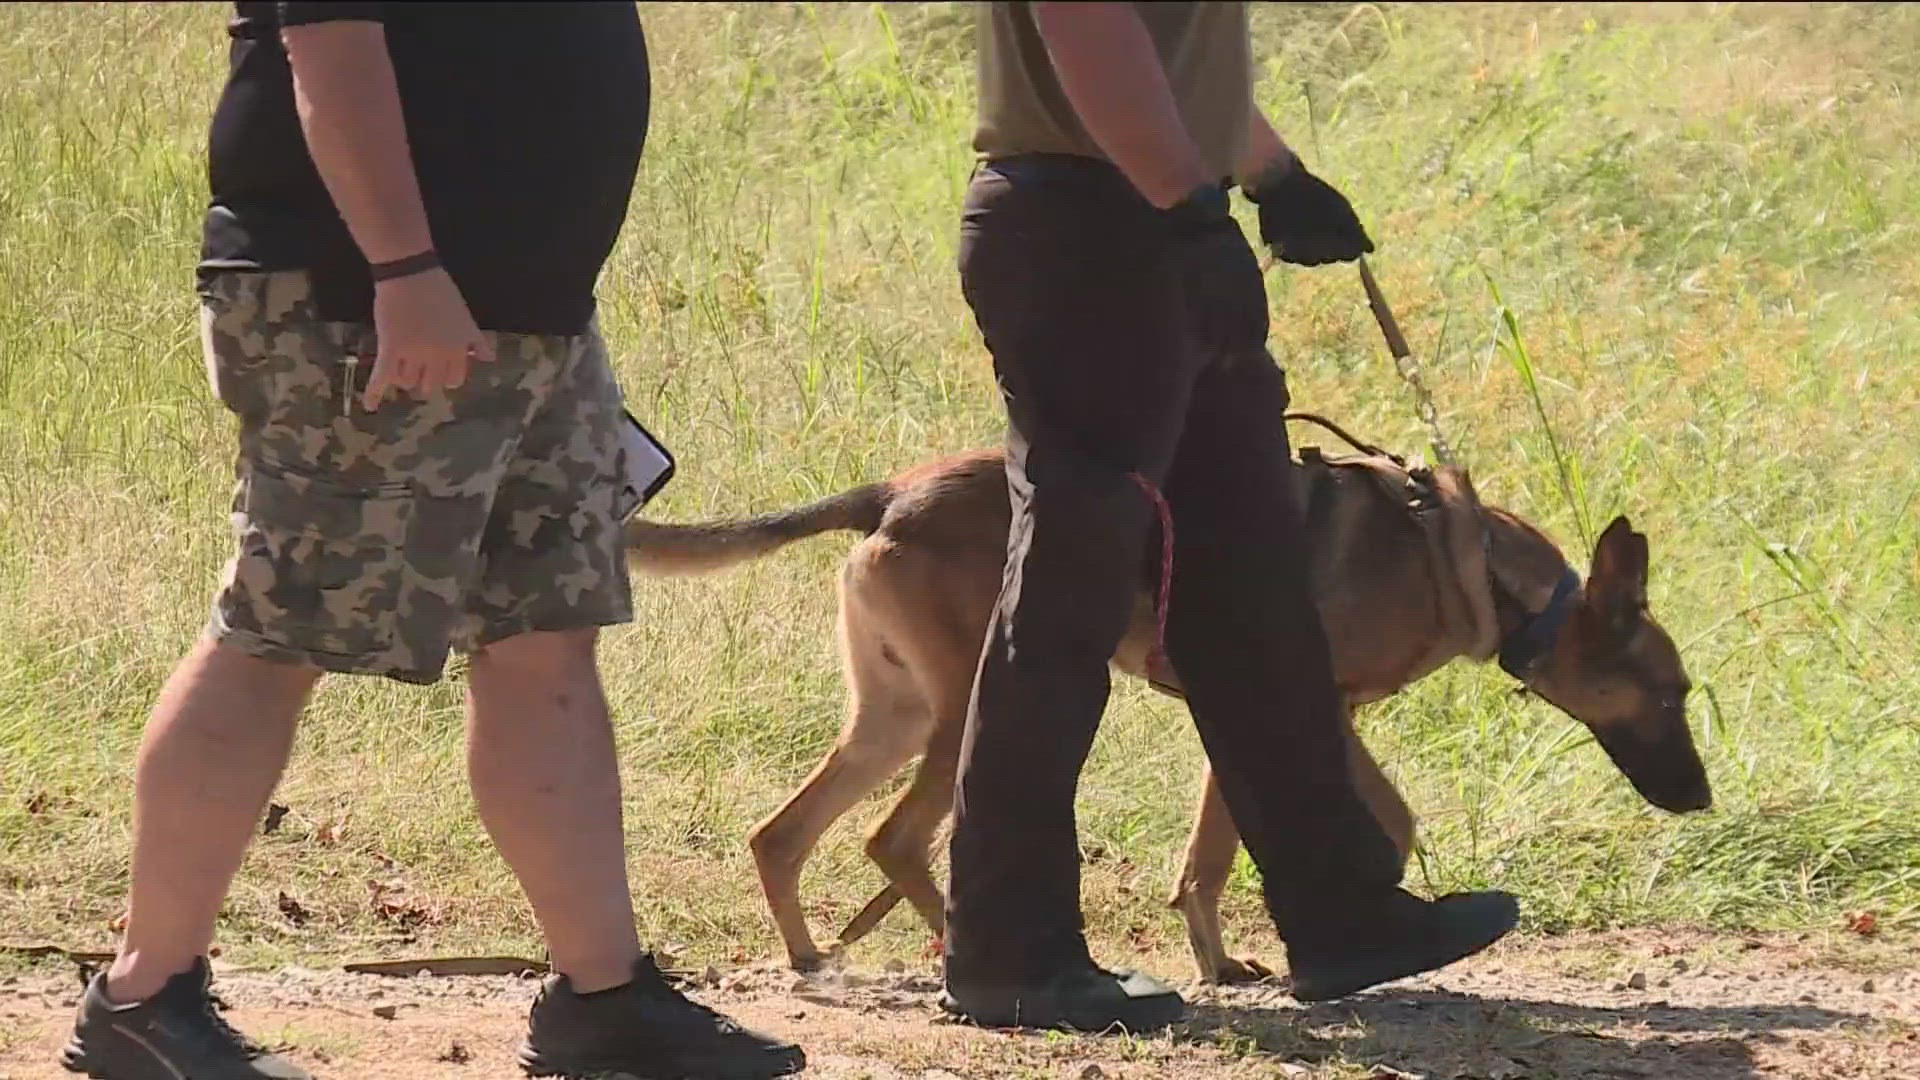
(1617, 586)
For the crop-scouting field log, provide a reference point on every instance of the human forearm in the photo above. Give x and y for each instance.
(1112, 76)
(349, 108)
(1267, 155)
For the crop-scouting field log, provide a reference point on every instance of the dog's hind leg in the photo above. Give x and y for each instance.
(902, 845)
(887, 724)
(1203, 877)
(942, 650)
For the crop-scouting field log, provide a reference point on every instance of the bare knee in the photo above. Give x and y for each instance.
(233, 665)
(537, 653)
(540, 686)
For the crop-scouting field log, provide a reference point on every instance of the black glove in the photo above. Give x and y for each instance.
(1304, 220)
(1225, 294)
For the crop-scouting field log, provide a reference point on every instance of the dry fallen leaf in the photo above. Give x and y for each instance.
(291, 909)
(1864, 923)
(393, 906)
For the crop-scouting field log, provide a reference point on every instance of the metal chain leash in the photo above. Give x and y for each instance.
(1406, 365)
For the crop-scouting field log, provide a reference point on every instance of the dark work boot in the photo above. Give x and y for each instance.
(1402, 936)
(173, 1034)
(1078, 995)
(647, 1030)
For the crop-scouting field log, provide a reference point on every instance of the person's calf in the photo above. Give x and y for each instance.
(213, 751)
(541, 756)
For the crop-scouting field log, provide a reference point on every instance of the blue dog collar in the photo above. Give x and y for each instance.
(1534, 638)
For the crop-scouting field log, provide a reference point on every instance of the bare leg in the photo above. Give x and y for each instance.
(541, 756)
(214, 748)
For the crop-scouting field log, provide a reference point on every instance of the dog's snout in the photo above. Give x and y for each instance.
(1697, 799)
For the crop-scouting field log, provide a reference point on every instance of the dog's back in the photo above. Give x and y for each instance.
(1397, 555)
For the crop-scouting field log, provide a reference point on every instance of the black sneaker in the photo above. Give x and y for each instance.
(646, 1030)
(1405, 936)
(1079, 996)
(175, 1034)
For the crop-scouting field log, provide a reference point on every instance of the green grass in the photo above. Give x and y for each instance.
(1673, 251)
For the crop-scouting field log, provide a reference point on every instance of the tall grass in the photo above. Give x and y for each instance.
(1700, 216)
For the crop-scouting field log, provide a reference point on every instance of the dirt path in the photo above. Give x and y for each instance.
(1700, 1009)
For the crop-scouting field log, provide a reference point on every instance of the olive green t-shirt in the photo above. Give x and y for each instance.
(1204, 48)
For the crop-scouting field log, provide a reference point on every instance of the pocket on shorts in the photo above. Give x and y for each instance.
(265, 346)
(320, 567)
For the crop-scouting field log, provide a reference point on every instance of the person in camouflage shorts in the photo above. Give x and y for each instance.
(372, 541)
(411, 207)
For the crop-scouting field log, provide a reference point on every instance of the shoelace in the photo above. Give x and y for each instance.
(659, 989)
(213, 1005)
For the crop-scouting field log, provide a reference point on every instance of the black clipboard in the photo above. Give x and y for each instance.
(646, 465)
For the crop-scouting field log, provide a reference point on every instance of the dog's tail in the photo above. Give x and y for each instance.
(662, 549)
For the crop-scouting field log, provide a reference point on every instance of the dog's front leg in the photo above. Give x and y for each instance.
(1208, 864)
(1378, 792)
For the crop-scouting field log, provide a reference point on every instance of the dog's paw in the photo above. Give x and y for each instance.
(806, 963)
(1235, 971)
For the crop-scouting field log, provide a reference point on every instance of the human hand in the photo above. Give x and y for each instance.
(1304, 220)
(428, 340)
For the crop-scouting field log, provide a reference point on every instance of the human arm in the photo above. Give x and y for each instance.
(1302, 218)
(349, 107)
(1266, 151)
(1111, 73)
(1112, 76)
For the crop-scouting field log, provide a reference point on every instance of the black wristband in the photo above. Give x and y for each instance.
(399, 268)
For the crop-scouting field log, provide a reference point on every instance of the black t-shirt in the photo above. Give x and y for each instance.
(526, 122)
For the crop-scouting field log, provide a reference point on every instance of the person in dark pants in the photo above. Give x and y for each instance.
(411, 205)
(1127, 320)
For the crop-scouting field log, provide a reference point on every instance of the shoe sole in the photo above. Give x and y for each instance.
(1353, 976)
(1149, 1015)
(74, 1060)
(78, 1066)
(533, 1065)
(626, 1074)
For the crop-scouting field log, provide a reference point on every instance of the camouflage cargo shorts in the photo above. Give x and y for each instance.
(378, 542)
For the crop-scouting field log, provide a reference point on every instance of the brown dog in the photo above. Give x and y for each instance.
(1410, 571)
